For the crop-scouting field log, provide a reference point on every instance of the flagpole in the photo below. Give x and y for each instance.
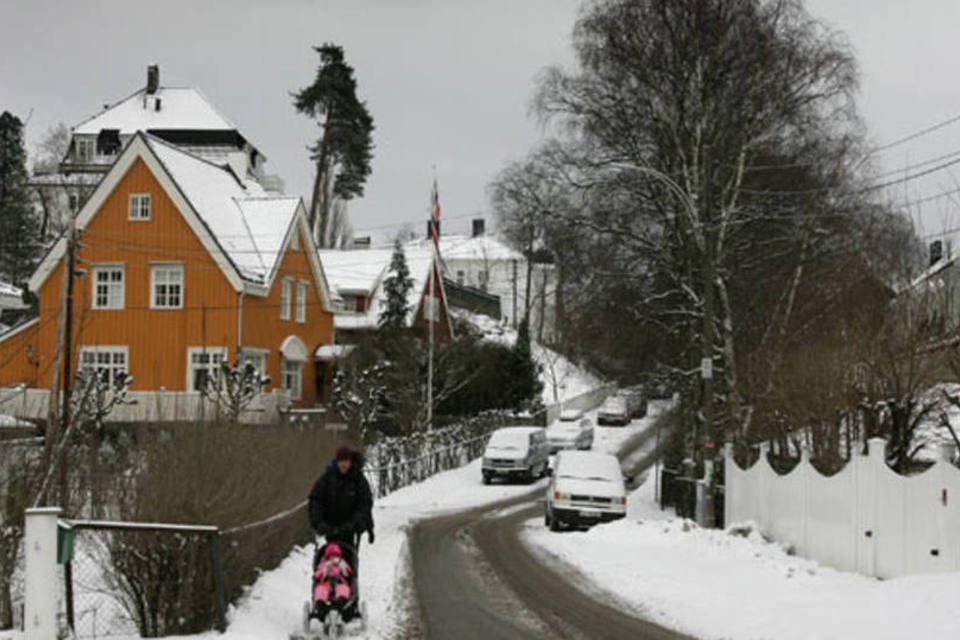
(435, 236)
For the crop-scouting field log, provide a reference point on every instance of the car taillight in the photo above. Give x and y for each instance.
(623, 499)
(556, 495)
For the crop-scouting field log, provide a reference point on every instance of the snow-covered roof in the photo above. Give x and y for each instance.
(249, 224)
(481, 247)
(362, 272)
(180, 108)
(10, 297)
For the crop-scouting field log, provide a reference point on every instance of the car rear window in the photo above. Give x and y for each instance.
(588, 466)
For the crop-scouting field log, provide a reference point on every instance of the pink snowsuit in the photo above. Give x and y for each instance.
(333, 574)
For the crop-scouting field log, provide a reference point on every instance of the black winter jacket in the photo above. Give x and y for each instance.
(342, 499)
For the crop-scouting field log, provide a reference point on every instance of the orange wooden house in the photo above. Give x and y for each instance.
(181, 265)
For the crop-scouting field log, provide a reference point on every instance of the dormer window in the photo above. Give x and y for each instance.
(86, 149)
(139, 206)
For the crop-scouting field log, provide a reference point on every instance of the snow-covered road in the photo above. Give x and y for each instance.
(712, 584)
(474, 578)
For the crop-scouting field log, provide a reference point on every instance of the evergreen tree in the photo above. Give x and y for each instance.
(523, 379)
(345, 148)
(19, 231)
(397, 287)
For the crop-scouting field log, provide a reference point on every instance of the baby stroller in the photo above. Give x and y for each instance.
(335, 614)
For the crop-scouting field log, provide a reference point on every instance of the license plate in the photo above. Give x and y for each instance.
(589, 514)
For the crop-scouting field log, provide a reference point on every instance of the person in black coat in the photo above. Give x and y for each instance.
(341, 503)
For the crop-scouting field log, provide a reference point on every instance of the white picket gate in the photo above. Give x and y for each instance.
(865, 518)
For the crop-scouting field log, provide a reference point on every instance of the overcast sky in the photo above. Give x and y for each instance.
(448, 82)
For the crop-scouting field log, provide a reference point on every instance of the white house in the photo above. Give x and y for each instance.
(487, 263)
(357, 276)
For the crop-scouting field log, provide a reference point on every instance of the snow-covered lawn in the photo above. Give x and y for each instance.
(713, 584)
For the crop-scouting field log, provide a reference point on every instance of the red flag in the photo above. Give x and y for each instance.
(435, 214)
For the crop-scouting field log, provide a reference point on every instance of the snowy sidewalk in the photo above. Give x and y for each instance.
(712, 584)
(274, 605)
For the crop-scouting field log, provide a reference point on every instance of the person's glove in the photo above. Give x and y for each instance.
(370, 536)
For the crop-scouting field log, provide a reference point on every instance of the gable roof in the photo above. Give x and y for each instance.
(481, 247)
(180, 108)
(363, 271)
(246, 230)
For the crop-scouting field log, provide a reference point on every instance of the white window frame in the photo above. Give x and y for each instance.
(295, 240)
(166, 267)
(86, 149)
(85, 352)
(285, 295)
(216, 356)
(296, 392)
(302, 288)
(121, 285)
(257, 357)
(139, 207)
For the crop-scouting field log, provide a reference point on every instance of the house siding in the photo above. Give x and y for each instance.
(158, 339)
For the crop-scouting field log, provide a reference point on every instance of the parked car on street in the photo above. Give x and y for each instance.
(516, 453)
(569, 434)
(614, 411)
(587, 487)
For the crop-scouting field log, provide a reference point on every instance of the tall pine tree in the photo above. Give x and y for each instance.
(19, 230)
(345, 148)
(397, 288)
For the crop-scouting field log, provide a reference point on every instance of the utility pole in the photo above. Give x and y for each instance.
(61, 346)
(67, 366)
(707, 342)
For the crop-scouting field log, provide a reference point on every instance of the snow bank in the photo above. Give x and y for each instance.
(562, 379)
(273, 607)
(714, 584)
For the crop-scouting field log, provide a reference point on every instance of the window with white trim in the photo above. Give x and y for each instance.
(293, 378)
(258, 358)
(203, 366)
(295, 240)
(139, 206)
(108, 286)
(109, 362)
(166, 286)
(285, 286)
(86, 149)
(301, 301)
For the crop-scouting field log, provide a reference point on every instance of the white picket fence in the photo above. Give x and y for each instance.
(150, 406)
(865, 518)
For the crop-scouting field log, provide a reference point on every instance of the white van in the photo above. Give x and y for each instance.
(587, 487)
(516, 453)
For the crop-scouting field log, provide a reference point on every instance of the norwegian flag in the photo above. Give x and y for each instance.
(435, 214)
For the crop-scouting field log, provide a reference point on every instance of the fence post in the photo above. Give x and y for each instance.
(217, 567)
(40, 550)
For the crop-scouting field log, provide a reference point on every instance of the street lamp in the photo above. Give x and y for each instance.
(706, 360)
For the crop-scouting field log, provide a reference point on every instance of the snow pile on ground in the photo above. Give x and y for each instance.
(8, 421)
(721, 584)
(562, 379)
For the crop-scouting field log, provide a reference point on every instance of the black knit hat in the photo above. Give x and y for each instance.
(344, 453)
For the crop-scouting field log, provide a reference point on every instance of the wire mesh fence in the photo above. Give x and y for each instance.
(140, 580)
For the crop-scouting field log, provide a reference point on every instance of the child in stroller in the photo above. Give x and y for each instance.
(331, 579)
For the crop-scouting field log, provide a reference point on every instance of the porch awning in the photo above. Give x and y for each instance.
(333, 352)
